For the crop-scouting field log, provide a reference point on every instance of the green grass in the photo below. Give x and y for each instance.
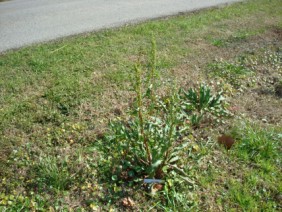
(259, 149)
(56, 100)
(249, 173)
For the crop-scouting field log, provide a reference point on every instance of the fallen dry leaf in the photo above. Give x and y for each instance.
(155, 188)
(158, 187)
(128, 202)
(226, 140)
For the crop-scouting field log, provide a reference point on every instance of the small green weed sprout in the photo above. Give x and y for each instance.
(218, 42)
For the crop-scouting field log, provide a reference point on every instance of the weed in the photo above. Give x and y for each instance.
(198, 104)
(53, 172)
(147, 140)
(218, 42)
(150, 141)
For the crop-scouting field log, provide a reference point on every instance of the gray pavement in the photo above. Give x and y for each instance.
(24, 22)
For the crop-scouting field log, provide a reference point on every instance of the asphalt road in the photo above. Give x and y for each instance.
(24, 22)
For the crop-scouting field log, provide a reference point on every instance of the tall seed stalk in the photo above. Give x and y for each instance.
(153, 73)
(138, 90)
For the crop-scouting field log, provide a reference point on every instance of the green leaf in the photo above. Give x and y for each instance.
(157, 163)
(170, 182)
(174, 159)
(114, 177)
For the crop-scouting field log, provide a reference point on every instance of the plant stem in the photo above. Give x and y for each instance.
(140, 114)
(172, 125)
(153, 67)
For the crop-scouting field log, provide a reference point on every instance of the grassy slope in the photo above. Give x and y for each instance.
(56, 97)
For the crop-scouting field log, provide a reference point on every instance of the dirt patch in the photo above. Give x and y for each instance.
(278, 32)
(265, 108)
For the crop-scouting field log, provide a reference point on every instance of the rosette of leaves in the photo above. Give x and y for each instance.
(199, 103)
(146, 143)
(149, 141)
(149, 144)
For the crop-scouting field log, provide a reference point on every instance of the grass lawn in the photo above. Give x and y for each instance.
(57, 98)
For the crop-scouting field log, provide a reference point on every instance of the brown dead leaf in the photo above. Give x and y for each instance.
(155, 188)
(128, 202)
(158, 187)
(226, 140)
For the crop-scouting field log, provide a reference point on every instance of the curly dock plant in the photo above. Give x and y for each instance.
(149, 141)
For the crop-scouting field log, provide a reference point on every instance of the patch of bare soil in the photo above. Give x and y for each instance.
(261, 101)
(264, 107)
